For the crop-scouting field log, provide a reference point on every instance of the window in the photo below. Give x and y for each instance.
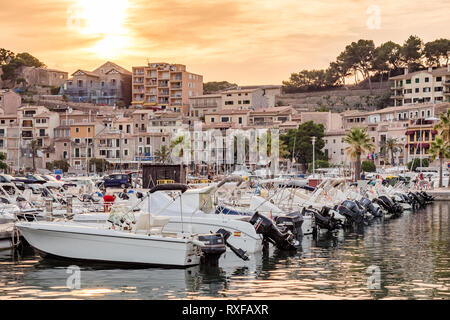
(417, 90)
(228, 103)
(225, 119)
(427, 79)
(408, 81)
(240, 120)
(77, 129)
(246, 101)
(212, 119)
(438, 79)
(417, 80)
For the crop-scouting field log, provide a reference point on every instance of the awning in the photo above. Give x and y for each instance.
(434, 132)
(409, 132)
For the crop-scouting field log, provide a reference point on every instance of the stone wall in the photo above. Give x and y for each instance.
(338, 100)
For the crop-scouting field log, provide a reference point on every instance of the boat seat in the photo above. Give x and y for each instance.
(148, 224)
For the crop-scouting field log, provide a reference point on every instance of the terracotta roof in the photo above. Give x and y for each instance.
(91, 74)
(113, 66)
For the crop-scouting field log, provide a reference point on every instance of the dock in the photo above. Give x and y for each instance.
(440, 194)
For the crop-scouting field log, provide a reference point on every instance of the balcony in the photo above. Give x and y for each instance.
(27, 134)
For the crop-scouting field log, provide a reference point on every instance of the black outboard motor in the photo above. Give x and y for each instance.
(393, 208)
(237, 251)
(213, 249)
(351, 211)
(271, 233)
(324, 220)
(292, 222)
(416, 201)
(369, 206)
(427, 197)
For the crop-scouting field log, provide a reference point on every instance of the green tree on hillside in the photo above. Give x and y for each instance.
(435, 52)
(411, 53)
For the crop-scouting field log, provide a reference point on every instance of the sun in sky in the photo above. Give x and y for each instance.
(103, 20)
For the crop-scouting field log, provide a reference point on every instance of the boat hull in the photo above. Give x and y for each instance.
(89, 244)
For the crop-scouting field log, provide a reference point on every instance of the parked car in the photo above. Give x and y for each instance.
(117, 181)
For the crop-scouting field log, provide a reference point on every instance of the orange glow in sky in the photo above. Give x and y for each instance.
(242, 41)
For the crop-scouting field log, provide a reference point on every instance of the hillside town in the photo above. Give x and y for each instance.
(124, 118)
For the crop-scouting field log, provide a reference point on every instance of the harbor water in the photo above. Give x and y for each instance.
(405, 258)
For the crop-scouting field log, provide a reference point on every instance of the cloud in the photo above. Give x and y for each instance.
(243, 41)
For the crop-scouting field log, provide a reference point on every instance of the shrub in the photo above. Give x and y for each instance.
(414, 164)
(368, 166)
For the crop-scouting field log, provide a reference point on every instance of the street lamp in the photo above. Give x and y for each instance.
(314, 153)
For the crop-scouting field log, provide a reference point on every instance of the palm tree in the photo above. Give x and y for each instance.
(34, 146)
(444, 126)
(392, 145)
(440, 149)
(359, 143)
(163, 154)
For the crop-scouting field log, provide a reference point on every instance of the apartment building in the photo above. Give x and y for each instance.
(109, 84)
(164, 86)
(148, 143)
(411, 126)
(10, 101)
(334, 148)
(269, 117)
(201, 105)
(228, 118)
(425, 86)
(250, 97)
(330, 121)
(169, 122)
(10, 138)
(82, 146)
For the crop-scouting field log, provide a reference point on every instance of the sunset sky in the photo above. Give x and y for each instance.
(242, 41)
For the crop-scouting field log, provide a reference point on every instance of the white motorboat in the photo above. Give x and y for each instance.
(146, 244)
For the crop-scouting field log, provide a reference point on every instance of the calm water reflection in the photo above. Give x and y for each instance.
(413, 254)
